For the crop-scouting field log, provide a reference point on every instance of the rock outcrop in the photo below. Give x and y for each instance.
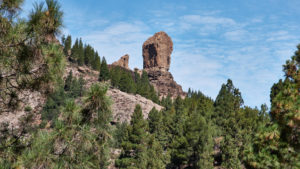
(157, 51)
(164, 83)
(122, 62)
(32, 100)
(124, 105)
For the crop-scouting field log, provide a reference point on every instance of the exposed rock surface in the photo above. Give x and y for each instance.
(90, 76)
(124, 105)
(164, 83)
(33, 99)
(122, 62)
(157, 51)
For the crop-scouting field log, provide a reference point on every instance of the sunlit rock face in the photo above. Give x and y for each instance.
(122, 62)
(157, 52)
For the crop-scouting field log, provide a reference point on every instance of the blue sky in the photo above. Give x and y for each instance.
(246, 40)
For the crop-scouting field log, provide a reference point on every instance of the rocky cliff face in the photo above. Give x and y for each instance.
(164, 83)
(122, 62)
(157, 52)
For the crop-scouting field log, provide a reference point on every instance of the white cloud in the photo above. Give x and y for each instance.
(279, 36)
(198, 19)
(236, 35)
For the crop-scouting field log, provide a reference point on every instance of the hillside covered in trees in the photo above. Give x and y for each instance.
(72, 126)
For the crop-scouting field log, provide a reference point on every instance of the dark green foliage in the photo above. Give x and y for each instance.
(47, 21)
(96, 62)
(74, 87)
(126, 83)
(67, 43)
(74, 51)
(133, 83)
(134, 146)
(28, 108)
(277, 142)
(155, 121)
(115, 76)
(89, 54)
(70, 143)
(55, 100)
(80, 54)
(68, 81)
(98, 103)
(167, 102)
(119, 134)
(71, 89)
(77, 52)
(228, 104)
(140, 149)
(24, 64)
(145, 89)
(104, 72)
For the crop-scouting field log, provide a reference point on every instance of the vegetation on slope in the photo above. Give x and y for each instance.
(192, 132)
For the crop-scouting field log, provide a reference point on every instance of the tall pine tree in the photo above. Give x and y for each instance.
(104, 72)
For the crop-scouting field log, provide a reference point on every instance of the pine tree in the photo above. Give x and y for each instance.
(156, 157)
(88, 55)
(68, 81)
(285, 126)
(126, 83)
(115, 76)
(179, 143)
(134, 147)
(67, 45)
(75, 51)
(96, 62)
(104, 72)
(228, 103)
(144, 85)
(80, 60)
(81, 88)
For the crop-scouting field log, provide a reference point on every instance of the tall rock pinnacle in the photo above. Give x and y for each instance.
(157, 51)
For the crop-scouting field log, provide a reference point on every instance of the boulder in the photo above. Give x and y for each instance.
(157, 51)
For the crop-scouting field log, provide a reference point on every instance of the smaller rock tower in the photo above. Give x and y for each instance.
(122, 62)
